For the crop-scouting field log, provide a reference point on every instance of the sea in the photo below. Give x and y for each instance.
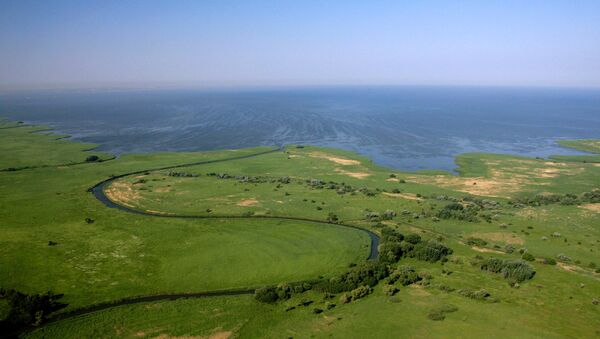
(403, 127)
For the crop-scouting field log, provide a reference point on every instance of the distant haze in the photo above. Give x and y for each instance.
(246, 43)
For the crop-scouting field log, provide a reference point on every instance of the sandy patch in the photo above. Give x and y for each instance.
(567, 267)
(162, 189)
(122, 192)
(473, 185)
(157, 212)
(392, 179)
(533, 213)
(248, 202)
(578, 270)
(357, 175)
(486, 250)
(551, 163)
(595, 207)
(418, 290)
(221, 335)
(409, 196)
(336, 159)
(508, 238)
(504, 177)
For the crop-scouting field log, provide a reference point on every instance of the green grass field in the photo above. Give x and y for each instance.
(121, 254)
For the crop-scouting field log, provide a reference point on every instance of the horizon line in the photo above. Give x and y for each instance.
(132, 86)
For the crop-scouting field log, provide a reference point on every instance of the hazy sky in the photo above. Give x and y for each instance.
(225, 43)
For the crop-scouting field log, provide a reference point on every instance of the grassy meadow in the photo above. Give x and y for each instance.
(510, 207)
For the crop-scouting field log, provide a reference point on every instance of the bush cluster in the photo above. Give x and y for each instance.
(92, 158)
(439, 313)
(182, 174)
(515, 271)
(365, 274)
(390, 290)
(562, 199)
(404, 274)
(471, 241)
(359, 279)
(27, 310)
(355, 294)
(455, 210)
(271, 294)
(480, 294)
(395, 246)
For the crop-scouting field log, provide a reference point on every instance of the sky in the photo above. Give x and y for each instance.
(279, 43)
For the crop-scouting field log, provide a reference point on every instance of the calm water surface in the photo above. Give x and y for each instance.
(408, 128)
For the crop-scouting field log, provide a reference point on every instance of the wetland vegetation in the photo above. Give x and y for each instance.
(509, 247)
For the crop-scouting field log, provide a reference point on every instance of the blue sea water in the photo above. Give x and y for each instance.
(408, 128)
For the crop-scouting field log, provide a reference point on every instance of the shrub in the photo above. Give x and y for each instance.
(28, 309)
(448, 308)
(439, 313)
(515, 271)
(345, 298)
(494, 265)
(404, 274)
(389, 290)
(372, 216)
(563, 258)
(368, 273)
(332, 218)
(431, 251)
(413, 238)
(92, 158)
(305, 302)
(436, 315)
(284, 291)
(266, 294)
(445, 288)
(456, 210)
(549, 261)
(360, 292)
(390, 252)
(528, 256)
(471, 241)
(389, 234)
(388, 215)
(480, 294)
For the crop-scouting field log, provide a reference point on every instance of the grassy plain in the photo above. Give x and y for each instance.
(122, 254)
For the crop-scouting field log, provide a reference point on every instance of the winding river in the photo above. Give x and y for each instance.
(98, 192)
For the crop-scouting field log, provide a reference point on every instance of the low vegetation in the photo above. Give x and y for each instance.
(520, 218)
